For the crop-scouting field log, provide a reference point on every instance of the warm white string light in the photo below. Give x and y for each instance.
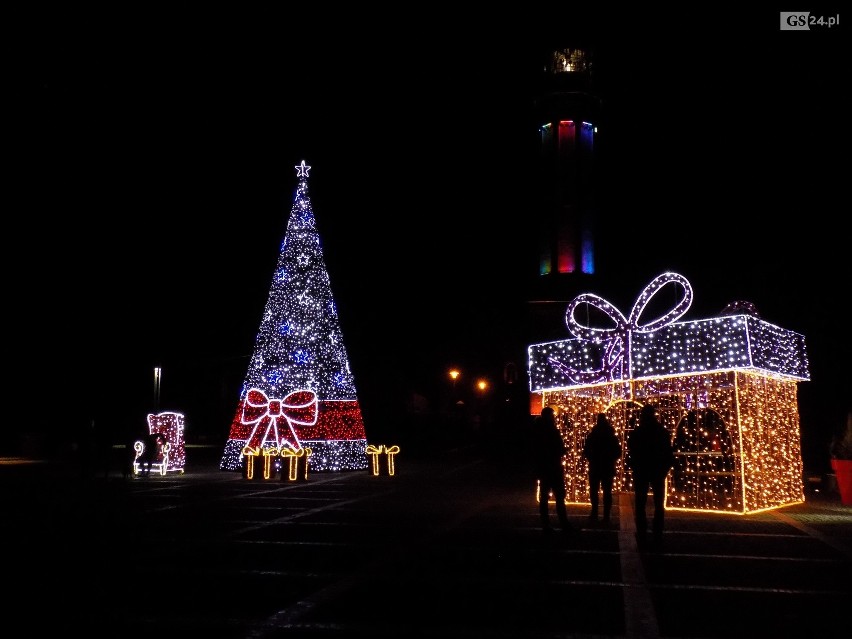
(726, 388)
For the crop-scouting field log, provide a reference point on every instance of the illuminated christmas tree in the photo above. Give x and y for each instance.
(299, 394)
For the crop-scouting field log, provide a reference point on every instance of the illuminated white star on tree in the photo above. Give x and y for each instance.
(302, 170)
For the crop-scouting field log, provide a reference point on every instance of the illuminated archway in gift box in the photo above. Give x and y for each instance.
(726, 389)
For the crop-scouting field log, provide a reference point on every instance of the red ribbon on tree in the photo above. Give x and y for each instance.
(299, 408)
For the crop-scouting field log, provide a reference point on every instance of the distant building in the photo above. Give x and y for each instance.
(566, 112)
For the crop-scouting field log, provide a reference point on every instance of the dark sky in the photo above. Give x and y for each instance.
(152, 175)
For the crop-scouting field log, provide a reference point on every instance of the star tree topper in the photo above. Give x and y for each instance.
(302, 170)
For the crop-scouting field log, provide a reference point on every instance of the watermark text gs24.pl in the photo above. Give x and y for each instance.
(804, 21)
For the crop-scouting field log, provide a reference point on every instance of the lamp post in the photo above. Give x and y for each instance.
(454, 375)
(456, 405)
(157, 380)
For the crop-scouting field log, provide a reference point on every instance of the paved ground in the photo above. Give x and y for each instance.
(448, 547)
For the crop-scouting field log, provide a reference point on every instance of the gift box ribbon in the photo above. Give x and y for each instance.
(616, 359)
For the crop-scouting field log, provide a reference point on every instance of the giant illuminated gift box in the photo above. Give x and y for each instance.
(725, 387)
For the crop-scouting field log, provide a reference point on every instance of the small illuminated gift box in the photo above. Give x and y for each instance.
(382, 457)
(262, 464)
(725, 387)
(291, 460)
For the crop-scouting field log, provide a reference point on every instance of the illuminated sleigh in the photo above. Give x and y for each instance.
(171, 455)
(725, 388)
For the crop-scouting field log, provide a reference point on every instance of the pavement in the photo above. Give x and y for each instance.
(449, 546)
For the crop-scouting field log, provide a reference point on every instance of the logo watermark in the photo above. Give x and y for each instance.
(804, 21)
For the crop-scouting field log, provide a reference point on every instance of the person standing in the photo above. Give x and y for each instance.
(602, 450)
(548, 448)
(650, 457)
(152, 444)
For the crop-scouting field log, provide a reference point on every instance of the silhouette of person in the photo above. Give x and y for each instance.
(548, 448)
(602, 450)
(650, 456)
(150, 452)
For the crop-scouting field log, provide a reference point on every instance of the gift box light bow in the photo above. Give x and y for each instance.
(630, 349)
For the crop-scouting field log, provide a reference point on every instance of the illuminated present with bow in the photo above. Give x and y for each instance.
(292, 467)
(375, 453)
(268, 454)
(726, 388)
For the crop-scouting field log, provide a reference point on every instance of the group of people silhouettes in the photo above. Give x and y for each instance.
(650, 456)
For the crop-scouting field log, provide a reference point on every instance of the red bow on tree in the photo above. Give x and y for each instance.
(298, 408)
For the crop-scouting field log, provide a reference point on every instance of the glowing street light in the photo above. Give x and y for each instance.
(454, 375)
(158, 373)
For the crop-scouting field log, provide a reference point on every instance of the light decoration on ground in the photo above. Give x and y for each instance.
(172, 456)
(376, 452)
(293, 457)
(299, 392)
(726, 389)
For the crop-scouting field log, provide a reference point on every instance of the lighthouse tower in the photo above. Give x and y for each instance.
(567, 115)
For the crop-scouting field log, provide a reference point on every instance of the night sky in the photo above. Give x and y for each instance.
(150, 165)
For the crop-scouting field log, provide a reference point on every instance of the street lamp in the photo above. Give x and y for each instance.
(158, 373)
(454, 375)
